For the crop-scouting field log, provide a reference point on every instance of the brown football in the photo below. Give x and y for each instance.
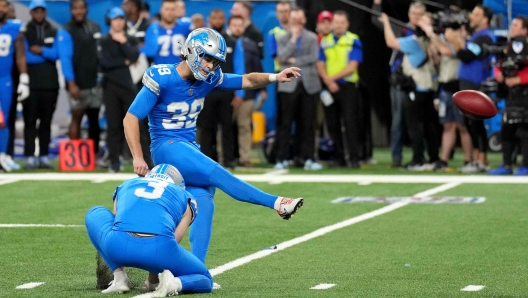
(475, 104)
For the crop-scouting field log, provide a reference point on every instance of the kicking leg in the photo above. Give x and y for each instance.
(199, 170)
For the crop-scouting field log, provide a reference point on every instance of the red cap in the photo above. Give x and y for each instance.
(325, 14)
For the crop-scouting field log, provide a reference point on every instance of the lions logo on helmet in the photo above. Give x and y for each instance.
(167, 173)
(200, 43)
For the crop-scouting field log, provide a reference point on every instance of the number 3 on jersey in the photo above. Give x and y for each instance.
(185, 114)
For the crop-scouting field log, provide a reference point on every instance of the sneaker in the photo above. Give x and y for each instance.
(115, 167)
(396, 163)
(440, 166)
(117, 287)
(289, 206)
(370, 161)
(416, 167)
(353, 164)
(44, 163)
(337, 163)
(483, 168)
(11, 163)
(31, 163)
(168, 285)
(4, 163)
(216, 286)
(502, 170)
(521, 171)
(310, 165)
(281, 165)
(470, 167)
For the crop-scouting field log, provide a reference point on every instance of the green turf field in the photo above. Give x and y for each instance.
(418, 250)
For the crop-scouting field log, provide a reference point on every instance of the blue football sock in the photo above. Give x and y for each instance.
(202, 227)
(240, 190)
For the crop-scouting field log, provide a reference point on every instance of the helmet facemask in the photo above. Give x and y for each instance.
(204, 44)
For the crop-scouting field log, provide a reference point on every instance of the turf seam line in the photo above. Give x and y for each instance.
(325, 230)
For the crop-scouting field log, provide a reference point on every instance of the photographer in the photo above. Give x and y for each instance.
(450, 116)
(513, 72)
(420, 115)
(474, 70)
(398, 82)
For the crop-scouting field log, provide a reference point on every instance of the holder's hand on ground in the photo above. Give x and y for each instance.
(140, 167)
(287, 74)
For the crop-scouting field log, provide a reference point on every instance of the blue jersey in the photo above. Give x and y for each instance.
(164, 45)
(147, 205)
(173, 104)
(8, 34)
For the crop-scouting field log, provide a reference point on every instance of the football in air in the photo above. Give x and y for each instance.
(475, 104)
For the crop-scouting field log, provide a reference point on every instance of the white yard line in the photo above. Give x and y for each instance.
(7, 181)
(277, 177)
(472, 288)
(325, 230)
(39, 226)
(322, 286)
(30, 285)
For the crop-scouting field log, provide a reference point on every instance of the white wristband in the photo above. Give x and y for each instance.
(24, 78)
(272, 77)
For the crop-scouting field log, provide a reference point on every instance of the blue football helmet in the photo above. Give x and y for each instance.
(167, 173)
(200, 43)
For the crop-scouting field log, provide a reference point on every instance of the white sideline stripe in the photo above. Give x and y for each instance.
(325, 230)
(472, 288)
(39, 226)
(291, 178)
(322, 286)
(7, 181)
(30, 285)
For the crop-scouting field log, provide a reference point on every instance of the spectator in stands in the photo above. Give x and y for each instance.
(11, 119)
(450, 116)
(163, 40)
(298, 47)
(181, 13)
(244, 108)
(79, 63)
(244, 10)
(339, 58)
(420, 114)
(145, 10)
(137, 23)
(220, 103)
(475, 69)
(324, 24)
(41, 55)
(282, 13)
(197, 21)
(398, 82)
(116, 51)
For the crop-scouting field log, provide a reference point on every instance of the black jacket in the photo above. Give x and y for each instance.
(112, 56)
(42, 76)
(85, 63)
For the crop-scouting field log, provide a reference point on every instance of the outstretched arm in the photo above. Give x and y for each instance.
(259, 80)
